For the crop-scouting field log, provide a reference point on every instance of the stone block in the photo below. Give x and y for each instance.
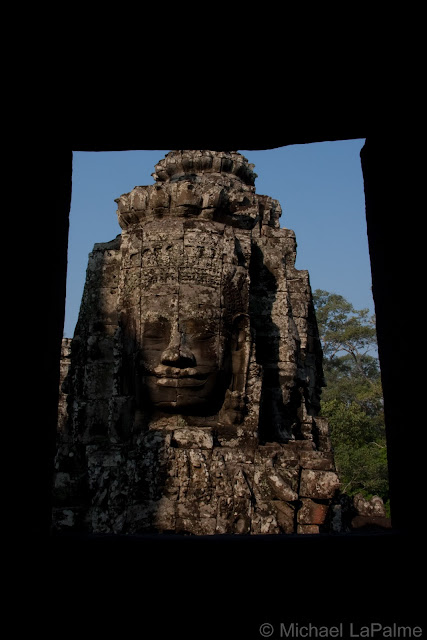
(285, 515)
(312, 512)
(308, 528)
(242, 488)
(165, 514)
(320, 460)
(103, 457)
(286, 458)
(281, 487)
(322, 425)
(300, 445)
(193, 438)
(105, 304)
(318, 484)
(242, 524)
(96, 420)
(100, 348)
(66, 519)
(69, 488)
(324, 444)
(206, 527)
(265, 522)
(140, 517)
(242, 454)
(373, 507)
(99, 379)
(267, 451)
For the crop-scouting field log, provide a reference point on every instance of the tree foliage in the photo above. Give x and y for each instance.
(352, 400)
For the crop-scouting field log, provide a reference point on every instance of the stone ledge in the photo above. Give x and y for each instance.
(192, 438)
(371, 522)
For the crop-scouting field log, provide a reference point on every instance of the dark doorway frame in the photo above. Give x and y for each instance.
(381, 174)
(387, 180)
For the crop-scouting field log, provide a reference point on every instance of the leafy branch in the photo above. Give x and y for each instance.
(352, 400)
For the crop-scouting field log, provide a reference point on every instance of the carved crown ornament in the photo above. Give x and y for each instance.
(180, 164)
(208, 185)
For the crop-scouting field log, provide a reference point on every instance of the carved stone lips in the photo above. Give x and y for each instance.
(174, 377)
(181, 382)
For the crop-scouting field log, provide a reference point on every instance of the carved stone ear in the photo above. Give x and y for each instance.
(240, 351)
(234, 407)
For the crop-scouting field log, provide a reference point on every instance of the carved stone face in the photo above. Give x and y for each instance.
(184, 357)
(190, 287)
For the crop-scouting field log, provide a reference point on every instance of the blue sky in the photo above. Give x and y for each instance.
(319, 187)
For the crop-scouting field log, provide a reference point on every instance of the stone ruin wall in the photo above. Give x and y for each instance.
(259, 463)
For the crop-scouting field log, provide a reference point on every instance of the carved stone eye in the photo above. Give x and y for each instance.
(156, 330)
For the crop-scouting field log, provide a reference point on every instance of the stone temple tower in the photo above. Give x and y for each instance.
(190, 393)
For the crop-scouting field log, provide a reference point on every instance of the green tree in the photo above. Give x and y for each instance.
(352, 400)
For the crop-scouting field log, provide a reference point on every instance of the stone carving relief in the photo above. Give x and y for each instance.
(192, 395)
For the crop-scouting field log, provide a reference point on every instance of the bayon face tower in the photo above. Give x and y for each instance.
(190, 390)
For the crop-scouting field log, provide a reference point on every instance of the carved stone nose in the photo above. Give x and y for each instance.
(178, 355)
